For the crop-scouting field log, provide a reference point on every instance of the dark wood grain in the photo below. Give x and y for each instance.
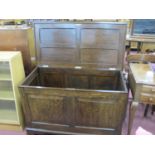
(19, 40)
(75, 100)
(91, 44)
(73, 90)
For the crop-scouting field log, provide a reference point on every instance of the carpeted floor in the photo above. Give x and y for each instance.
(141, 125)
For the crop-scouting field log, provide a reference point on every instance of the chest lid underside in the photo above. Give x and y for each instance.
(89, 45)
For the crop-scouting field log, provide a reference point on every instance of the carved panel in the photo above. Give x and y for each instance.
(53, 79)
(77, 81)
(58, 37)
(102, 56)
(104, 82)
(90, 45)
(47, 109)
(99, 38)
(96, 112)
(55, 55)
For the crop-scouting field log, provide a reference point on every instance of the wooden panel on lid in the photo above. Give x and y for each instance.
(92, 45)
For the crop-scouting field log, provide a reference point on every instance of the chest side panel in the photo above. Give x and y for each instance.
(104, 112)
(47, 109)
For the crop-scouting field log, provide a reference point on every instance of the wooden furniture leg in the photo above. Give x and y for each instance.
(139, 46)
(153, 109)
(132, 110)
(146, 110)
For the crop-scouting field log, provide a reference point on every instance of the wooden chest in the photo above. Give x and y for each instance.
(78, 86)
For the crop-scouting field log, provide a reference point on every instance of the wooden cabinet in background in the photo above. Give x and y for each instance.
(18, 38)
(142, 84)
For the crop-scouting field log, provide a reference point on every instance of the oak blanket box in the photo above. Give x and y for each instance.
(78, 86)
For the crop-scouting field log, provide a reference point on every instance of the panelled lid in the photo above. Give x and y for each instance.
(73, 44)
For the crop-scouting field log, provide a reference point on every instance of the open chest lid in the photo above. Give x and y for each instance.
(80, 44)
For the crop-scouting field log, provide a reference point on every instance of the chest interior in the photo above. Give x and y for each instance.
(78, 79)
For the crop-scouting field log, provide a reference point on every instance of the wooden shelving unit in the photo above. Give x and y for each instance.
(6, 95)
(8, 116)
(5, 77)
(11, 75)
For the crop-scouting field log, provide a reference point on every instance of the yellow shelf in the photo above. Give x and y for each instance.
(6, 95)
(11, 75)
(8, 116)
(5, 77)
